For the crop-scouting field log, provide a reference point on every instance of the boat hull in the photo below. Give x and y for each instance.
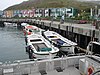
(67, 49)
(44, 56)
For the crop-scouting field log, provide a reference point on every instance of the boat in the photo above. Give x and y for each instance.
(30, 29)
(93, 48)
(59, 41)
(40, 47)
(90, 65)
(8, 24)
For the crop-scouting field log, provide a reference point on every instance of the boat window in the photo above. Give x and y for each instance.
(35, 40)
(52, 36)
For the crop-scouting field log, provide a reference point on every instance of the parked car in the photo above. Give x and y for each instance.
(82, 21)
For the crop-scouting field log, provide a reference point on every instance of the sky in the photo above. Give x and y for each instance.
(6, 3)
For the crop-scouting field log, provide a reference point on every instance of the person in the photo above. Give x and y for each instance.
(30, 54)
(62, 19)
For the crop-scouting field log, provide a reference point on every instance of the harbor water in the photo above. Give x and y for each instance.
(12, 44)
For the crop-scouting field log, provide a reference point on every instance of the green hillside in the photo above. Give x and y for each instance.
(52, 4)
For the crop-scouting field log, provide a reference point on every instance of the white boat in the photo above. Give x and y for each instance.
(30, 29)
(40, 47)
(90, 65)
(10, 24)
(93, 47)
(7, 23)
(24, 24)
(58, 40)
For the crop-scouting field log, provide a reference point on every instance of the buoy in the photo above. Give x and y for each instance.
(90, 70)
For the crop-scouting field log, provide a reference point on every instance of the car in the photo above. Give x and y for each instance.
(82, 21)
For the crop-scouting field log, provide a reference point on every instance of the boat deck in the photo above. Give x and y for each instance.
(68, 71)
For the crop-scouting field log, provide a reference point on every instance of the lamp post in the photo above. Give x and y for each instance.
(96, 12)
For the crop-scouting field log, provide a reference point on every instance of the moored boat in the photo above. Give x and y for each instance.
(40, 47)
(90, 65)
(93, 47)
(29, 29)
(59, 41)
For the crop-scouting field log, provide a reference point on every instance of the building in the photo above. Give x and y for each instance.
(1, 13)
(41, 12)
(38, 12)
(9, 13)
(17, 13)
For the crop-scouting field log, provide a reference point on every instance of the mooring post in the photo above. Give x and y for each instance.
(59, 29)
(66, 32)
(72, 37)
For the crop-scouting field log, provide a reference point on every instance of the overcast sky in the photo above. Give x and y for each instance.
(6, 3)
